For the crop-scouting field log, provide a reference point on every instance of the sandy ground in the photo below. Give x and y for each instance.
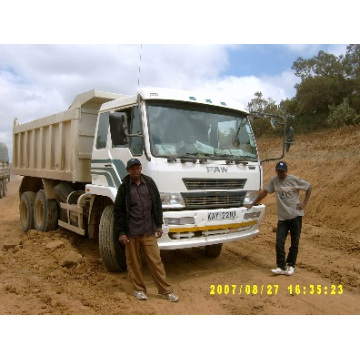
(35, 277)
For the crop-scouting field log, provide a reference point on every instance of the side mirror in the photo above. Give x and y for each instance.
(290, 138)
(118, 128)
(273, 123)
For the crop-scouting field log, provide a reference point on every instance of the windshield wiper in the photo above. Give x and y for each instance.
(193, 157)
(199, 153)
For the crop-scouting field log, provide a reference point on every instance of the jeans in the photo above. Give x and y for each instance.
(283, 228)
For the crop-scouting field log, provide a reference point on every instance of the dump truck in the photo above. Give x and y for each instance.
(4, 169)
(201, 152)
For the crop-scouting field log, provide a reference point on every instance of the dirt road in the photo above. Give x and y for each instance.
(37, 276)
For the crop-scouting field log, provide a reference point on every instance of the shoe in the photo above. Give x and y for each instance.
(171, 297)
(290, 270)
(278, 271)
(140, 295)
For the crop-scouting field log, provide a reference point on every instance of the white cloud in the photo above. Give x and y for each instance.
(242, 89)
(38, 80)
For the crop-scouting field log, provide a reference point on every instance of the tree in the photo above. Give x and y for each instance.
(323, 64)
(323, 84)
(351, 64)
(342, 115)
(327, 95)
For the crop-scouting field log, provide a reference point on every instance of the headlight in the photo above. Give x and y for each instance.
(250, 197)
(179, 221)
(252, 215)
(172, 200)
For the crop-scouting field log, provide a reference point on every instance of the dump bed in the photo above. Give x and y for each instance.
(59, 146)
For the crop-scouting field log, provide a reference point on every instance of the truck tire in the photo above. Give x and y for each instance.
(45, 212)
(213, 251)
(62, 191)
(1, 189)
(111, 250)
(26, 209)
(4, 188)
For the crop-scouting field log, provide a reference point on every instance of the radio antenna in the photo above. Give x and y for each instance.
(139, 67)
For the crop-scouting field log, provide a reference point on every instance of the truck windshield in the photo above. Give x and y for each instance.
(199, 131)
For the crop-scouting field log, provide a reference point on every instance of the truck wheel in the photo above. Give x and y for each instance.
(213, 251)
(111, 250)
(1, 189)
(45, 212)
(4, 188)
(62, 191)
(26, 209)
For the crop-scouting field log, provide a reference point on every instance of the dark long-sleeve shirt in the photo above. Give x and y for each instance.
(141, 221)
(124, 203)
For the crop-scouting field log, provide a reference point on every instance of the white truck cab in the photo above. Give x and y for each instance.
(200, 151)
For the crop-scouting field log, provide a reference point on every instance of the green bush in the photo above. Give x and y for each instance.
(342, 114)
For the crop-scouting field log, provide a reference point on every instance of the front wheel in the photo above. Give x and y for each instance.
(111, 250)
(213, 251)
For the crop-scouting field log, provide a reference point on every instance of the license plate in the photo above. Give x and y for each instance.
(221, 215)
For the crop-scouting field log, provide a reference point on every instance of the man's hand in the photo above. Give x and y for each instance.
(300, 206)
(123, 239)
(158, 233)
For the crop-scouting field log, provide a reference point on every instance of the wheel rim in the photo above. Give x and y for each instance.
(24, 213)
(39, 212)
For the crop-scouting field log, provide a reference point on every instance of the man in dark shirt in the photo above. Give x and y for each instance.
(138, 221)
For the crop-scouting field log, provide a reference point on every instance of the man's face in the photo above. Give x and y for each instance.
(281, 174)
(135, 171)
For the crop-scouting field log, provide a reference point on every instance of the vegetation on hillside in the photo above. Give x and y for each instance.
(327, 96)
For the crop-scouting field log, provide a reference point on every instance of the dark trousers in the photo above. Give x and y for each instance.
(283, 228)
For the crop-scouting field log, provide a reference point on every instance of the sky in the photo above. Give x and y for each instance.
(50, 52)
(37, 80)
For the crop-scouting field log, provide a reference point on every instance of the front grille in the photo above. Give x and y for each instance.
(211, 184)
(213, 199)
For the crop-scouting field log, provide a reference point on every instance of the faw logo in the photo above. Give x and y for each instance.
(220, 169)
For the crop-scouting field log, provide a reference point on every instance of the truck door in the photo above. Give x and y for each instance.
(103, 171)
(122, 148)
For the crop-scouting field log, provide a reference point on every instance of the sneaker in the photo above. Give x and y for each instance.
(278, 271)
(171, 297)
(290, 270)
(140, 295)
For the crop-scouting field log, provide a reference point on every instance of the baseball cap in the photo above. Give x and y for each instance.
(281, 166)
(132, 162)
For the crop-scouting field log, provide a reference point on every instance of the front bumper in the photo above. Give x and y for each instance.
(203, 231)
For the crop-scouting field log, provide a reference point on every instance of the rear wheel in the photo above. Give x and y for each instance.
(111, 250)
(62, 191)
(26, 210)
(1, 189)
(45, 212)
(213, 251)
